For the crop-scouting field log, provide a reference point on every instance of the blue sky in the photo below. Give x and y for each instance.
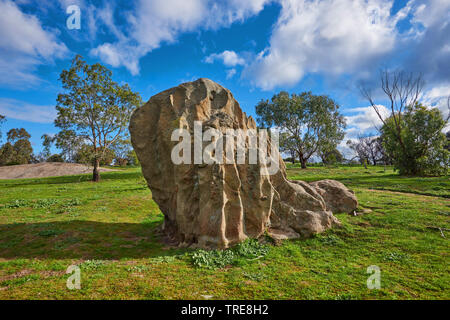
(255, 48)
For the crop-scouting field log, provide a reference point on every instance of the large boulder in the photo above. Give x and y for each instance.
(218, 205)
(337, 197)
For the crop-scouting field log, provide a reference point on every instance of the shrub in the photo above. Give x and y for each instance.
(420, 151)
(55, 158)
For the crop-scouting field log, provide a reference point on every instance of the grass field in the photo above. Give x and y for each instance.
(109, 230)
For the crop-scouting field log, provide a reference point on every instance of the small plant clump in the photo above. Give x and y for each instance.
(217, 259)
(396, 257)
(19, 203)
(56, 205)
(92, 264)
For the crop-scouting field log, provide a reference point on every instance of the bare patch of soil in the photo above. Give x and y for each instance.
(45, 169)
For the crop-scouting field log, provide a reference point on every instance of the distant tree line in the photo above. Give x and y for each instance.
(411, 136)
(93, 113)
(18, 150)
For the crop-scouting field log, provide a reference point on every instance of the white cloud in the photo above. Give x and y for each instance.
(436, 94)
(430, 12)
(224, 13)
(119, 54)
(65, 3)
(228, 58)
(162, 21)
(437, 97)
(21, 110)
(231, 73)
(24, 44)
(330, 36)
(366, 120)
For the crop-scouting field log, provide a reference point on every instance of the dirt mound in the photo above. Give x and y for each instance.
(46, 169)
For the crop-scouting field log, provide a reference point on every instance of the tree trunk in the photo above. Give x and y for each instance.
(96, 173)
(303, 162)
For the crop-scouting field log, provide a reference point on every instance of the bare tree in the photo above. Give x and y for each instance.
(400, 127)
(403, 91)
(367, 148)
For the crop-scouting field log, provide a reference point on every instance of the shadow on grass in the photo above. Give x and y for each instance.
(82, 240)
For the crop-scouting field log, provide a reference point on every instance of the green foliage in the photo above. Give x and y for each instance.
(255, 276)
(44, 203)
(69, 143)
(447, 145)
(213, 259)
(55, 158)
(138, 268)
(19, 281)
(47, 143)
(330, 240)
(395, 257)
(308, 120)
(94, 108)
(122, 149)
(164, 259)
(7, 154)
(23, 151)
(86, 155)
(49, 233)
(251, 249)
(418, 149)
(132, 158)
(19, 203)
(2, 120)
(57, 205)
(287, 145)
(18, 149)
(92, 264)
(15, 135)
(332, 156)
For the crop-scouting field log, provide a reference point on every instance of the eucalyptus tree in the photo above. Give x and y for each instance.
(94, 108)
(17, 150)
(2, 120)
(310, 122)
(47, 141)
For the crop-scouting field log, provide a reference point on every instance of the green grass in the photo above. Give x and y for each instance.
(110, 230)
